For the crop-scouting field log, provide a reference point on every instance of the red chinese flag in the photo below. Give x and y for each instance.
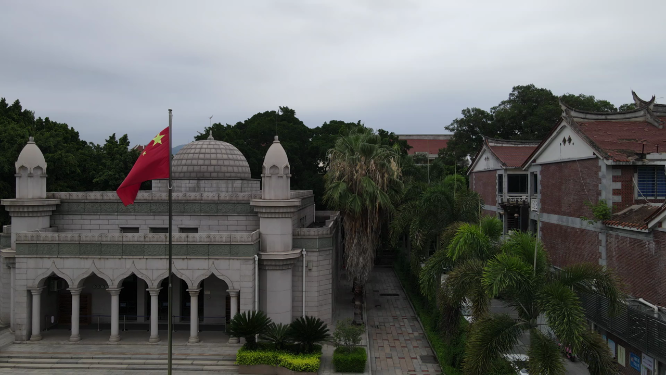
(153, 163)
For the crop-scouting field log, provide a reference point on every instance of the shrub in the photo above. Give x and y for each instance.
(267, 355)
(277, 334)
(249, 324)
(349, 361)
(347, 335)
(308, 331)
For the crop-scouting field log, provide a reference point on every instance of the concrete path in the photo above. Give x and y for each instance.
(397, 341)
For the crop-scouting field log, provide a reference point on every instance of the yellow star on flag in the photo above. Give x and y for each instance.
(157, 139)
(144, 152)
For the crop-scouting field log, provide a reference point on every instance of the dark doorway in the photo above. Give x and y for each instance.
(127, 299)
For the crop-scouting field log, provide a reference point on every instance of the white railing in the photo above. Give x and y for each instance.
(151, 196)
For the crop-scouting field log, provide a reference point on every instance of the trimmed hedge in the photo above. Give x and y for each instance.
(266, 355)
(345, 361)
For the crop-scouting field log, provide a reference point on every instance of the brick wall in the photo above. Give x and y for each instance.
(485, 183)
(568, 245)
(639, 263)
(626, 191)
(565, 187)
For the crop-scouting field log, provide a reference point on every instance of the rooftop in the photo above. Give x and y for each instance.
(511, 153)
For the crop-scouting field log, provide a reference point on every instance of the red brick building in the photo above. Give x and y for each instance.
(588, 158)
(427, 144)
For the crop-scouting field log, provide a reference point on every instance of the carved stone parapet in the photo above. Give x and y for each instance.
(30, 207)
(275, 208)
(278, 261)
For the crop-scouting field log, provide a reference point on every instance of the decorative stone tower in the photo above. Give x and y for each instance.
(30, 210)
(276, 211)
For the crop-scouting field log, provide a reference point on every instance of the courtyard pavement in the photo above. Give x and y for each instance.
(398, 344)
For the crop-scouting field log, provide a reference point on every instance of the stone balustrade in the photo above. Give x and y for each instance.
(208, 245)
(203, 238)
(150, 196)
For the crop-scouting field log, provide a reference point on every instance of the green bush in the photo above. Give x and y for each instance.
(347, 335)
(267, 355)
(249, 324)
(308, 331)
(345, 361)
(277, 334)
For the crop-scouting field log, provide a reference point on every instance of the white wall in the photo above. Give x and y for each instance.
(558, 150)
(485, 165)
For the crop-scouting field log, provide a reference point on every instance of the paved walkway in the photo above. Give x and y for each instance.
(398, 343)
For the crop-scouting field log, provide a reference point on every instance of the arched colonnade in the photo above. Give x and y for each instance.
(155, 287)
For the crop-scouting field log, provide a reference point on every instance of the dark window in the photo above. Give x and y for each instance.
(189, 230)
(159, 230)
(517, 184)
(500, 184)
(129, 229)
(535, 180)
(651, 182)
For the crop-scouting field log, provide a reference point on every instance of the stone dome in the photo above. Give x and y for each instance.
(210, 159)
(30, 157)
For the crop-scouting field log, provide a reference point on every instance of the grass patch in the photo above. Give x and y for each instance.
(449, 355)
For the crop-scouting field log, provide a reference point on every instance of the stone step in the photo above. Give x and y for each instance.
(118, 366)
(4, 356)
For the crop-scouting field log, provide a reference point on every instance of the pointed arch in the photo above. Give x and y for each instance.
(39, 280)
(131, 270)
(213, 271)
(78, 281)
(155, 283)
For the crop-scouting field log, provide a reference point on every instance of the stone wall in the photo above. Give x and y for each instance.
(111, 223)
(205, 186)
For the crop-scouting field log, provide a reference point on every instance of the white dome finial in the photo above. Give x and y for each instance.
(210, 136)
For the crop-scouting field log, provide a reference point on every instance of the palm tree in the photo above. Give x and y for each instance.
(465, 250)
(363, 182)
(536, 292)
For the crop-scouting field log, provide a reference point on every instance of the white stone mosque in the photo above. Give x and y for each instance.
(74, 260)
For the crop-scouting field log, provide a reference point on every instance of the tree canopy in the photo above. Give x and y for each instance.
(73, 164)
(529, 113)
(307, 148)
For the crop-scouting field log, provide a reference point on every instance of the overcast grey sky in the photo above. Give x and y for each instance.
(408, 67)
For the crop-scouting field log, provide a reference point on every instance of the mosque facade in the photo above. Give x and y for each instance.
(75, 259)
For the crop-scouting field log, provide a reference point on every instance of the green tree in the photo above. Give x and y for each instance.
(528, 113)
(363, 182)
(115, 160)
(532, 290)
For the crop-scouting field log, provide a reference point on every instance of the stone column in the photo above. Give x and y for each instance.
(115, 304)
(76, 308)
(36, 314)
(154, 315)
(194, 315)
(12, 275)
(233, 310)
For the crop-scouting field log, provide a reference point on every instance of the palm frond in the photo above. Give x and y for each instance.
(545, 356)
(492, 227)
(563, 311)
(469, 242)
(488, 340)
(594, 351)
(506, 272)
(594, 278)
(465, 282)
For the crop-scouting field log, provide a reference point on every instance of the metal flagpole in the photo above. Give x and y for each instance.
(170, 319)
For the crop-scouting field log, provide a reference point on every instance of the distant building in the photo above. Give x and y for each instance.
(425, 144)
(71, 258)
(588, 157)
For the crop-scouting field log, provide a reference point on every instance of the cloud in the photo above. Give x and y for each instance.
(406, 66)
